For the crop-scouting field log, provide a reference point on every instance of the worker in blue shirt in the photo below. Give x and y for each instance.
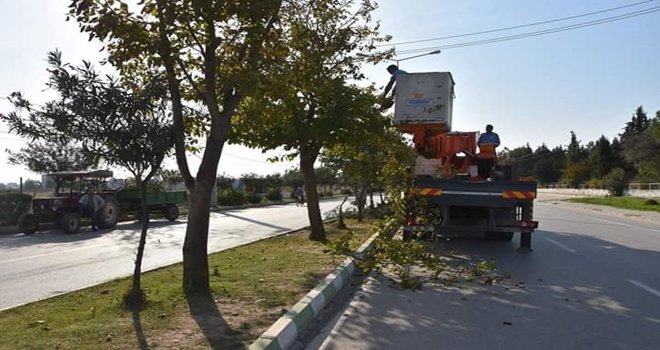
(394, 71)
(486, 159)
(489, 137)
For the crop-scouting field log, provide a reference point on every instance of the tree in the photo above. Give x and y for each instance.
(521, 159)
(547, 164)
(575, 152)
(292, 178)
(51, 156)
(211, 54)
(122, 127)
(636, 126)
(363, 161)
(619, 159)
(601, 158)
(643, 150)
(306, 104)
(325, 176)
(166, 178)
(225, 182)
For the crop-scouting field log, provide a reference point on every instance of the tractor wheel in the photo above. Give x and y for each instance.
(108, 214)
(171, 212)
(70, 222)
(28, 223)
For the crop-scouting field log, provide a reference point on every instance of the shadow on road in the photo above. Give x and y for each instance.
(279, 228)
(553, 299)
(128, 231)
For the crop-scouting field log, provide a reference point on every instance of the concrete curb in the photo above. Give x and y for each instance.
(284, 332)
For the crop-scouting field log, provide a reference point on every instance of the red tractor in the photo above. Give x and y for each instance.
(63, 209)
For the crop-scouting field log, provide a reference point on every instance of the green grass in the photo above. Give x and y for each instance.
(633, 203)
(252, 286)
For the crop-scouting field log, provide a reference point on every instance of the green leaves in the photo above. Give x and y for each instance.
(99, 116)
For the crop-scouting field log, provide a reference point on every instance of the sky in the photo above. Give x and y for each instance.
(533, 90)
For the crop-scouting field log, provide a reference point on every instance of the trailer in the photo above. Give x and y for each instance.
(166, 203)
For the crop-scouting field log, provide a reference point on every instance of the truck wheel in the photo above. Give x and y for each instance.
(505, 236)
(28, 223)
(70, 222)
(108, 214)
(171, 212)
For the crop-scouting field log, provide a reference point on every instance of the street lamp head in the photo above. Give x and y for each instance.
(434, 52)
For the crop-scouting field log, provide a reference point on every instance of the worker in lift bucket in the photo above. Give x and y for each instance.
(394, 72)
(489, 138)
(487, 143)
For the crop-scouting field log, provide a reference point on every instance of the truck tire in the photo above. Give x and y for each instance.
(171, 212)
(28, 223)
(506, 236)
(70, 223)
(108, 214)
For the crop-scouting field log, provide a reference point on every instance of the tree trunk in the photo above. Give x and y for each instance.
(195, 255)
(307, 159)
(136, 299)
(360, 201)
(371, 197)
(340, 222)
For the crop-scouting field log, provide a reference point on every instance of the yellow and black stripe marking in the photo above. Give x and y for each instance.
(519, 194)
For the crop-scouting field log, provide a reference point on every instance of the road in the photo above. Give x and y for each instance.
(592, 282)
(51, 263)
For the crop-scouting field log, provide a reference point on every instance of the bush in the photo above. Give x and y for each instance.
(253, 198)
(321, 194)
(328, 193)
(345, 191)
(13, 205)
(274, 194)
(231, 197)
(615, 182)
(597, 183)
(651, 202)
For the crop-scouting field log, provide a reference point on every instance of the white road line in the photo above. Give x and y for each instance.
(645, 287)
(626, 225)
(612, 222)
(560, 245)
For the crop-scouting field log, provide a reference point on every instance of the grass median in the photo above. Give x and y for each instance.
(252, 286)
(632, 203)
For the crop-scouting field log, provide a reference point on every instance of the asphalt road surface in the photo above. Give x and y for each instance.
(51, 263)
(592, 282)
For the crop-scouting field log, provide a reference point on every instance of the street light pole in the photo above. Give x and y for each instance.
(411, 57)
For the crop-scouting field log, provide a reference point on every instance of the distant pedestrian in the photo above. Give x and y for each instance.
(299, 193)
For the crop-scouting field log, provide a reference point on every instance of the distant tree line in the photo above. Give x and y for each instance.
(633, 156)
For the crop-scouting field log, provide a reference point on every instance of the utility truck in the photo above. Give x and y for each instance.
(459, 187)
